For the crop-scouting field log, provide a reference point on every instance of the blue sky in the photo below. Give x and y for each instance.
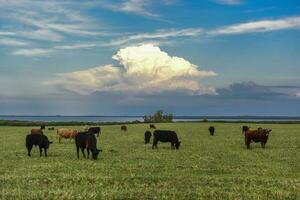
(210, 57)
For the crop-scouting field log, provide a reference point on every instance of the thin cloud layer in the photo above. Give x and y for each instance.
(258, 26)
(143, 69)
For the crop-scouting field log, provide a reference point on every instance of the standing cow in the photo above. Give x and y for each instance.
(147, 137)
(259, 135)
(85, 140)
(166, 136)
(66, 133)
(37, 140)
(124, 128)
(152, 126)
(211, 130)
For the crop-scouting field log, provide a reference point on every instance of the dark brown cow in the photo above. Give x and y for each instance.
(36, 131)
(211, 130)
(259, 135)
(152, 126)
(123, 128)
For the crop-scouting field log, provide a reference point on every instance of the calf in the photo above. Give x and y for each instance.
(43, 127)
(86, 140)
(211, 130)
(259, 135)
(51, 129)
(166, 136)
(94, 130)
(37, 140)
(123, 128)
(66, 133)
(152, 126)
(147, 137)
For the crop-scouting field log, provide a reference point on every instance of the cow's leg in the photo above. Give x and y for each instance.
(82, 150)
(29, 149)
(154, 144)
(263, 144)
(77, 149)
(45, 151)
(41, 150)
(172, 145)
(59, 139)
(247, 142)
(88, 153)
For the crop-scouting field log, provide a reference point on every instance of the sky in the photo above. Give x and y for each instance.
(117, 57)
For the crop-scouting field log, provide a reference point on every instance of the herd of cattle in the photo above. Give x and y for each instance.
(87, 140)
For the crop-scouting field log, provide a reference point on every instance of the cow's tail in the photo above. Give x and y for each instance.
(27, 140)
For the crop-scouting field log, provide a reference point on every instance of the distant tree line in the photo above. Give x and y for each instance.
(158, 116)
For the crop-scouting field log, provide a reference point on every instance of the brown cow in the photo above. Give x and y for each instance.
(152, 126)
(123, 128)
(66, 133)
(259, 135)
(35, 131)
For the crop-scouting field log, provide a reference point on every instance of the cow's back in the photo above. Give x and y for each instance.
(165, 136)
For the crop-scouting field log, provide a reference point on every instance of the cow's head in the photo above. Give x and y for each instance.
(96, 153)
(268, 131)
(177, 145)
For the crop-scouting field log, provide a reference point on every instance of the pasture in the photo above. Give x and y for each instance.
(205, 167)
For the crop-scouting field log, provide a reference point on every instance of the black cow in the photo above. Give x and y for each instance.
(211, 130)
(51, 128)
(166, 136)
(86, 140)
(37, 140)
(95, 130)
(147, 137)
(43, 127)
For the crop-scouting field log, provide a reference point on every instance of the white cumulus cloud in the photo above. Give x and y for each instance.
(143, 69)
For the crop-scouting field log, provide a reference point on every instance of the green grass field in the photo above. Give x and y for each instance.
(205, 167)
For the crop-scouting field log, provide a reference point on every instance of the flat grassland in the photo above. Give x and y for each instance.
(205, 167)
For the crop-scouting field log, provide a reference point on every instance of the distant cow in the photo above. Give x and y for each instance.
(165, 136)
(37, 140)
(152, 126)
(85, 140)
(51, 129)
(259, 135)
(66, 133)
(37, 131)
(43, 127)
(211, 130)
(245, 128)
(147, 137)
(123, 128)
(94, 130)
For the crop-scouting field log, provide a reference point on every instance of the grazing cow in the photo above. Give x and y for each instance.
(43, 127)
(66, 133)
(94, 130)
(211, 130)
(123, 128)
(245, 128)
(37, 140)
(86, 140)
(147, 137)
(37, 131)
(165, 136)
(259, 135)
(51, 129)
(152, 126)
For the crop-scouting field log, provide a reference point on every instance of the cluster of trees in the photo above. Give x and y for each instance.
(158, 116)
